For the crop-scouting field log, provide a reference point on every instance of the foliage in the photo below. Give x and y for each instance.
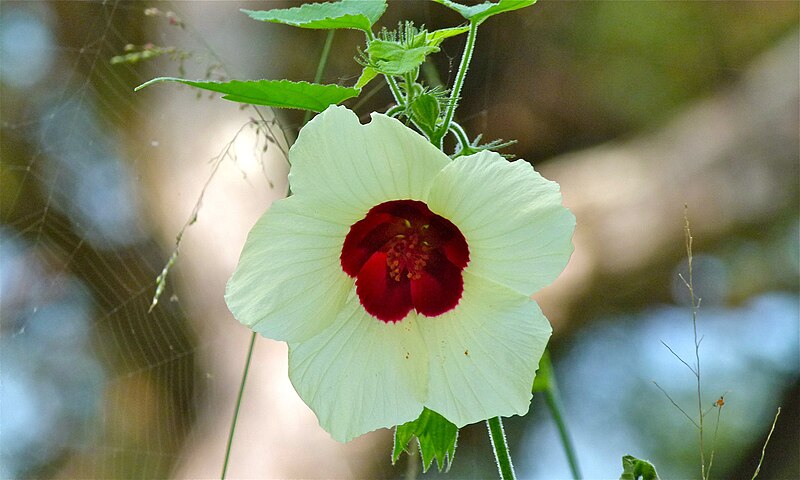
(479, 13)
(396, 54)
(357, 14)
(635, 469)
(437, 439)
(272, 93)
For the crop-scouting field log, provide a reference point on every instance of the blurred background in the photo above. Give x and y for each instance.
(636, 108)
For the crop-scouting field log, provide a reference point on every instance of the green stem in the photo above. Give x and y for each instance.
(323, 60)
(500, 447)
(462, 73)
(395, 111)
(553, 400)
(396, 93)
(238, 404)
(459, 132)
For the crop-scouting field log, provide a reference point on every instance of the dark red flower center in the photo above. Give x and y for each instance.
(404, 256)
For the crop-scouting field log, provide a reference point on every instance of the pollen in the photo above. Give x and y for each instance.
(407, 256)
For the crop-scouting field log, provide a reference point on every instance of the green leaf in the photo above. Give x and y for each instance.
(634, 469)
(273, 93)
(437, 439)
(358, 14)
(393, 58)
(366, 76)
(436, 37)
(479, 13)
(425, 109)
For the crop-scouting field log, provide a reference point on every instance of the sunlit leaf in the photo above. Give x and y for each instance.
(479, 13)
(437, 439)
(367, 75)
(635, 469)
(358, 14)
(273, 93)
(436, 37)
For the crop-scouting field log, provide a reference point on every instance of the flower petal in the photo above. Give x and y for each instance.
(361, 373)
(355, 253)
(517, 231)
(439, 287)
(289, 284)
(386, 299)
(484, 354)
(350, 167)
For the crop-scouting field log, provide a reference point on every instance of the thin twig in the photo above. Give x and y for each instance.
(718, 404)
(256, 108)
(676, 405)
(764, 448)
(695, 303)
(678, 357)
(161, 280)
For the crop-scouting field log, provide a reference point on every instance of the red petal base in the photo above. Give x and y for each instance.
(404, 256)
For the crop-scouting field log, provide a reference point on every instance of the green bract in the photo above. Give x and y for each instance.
(636, 469)
(425, 110)
(405, 50)
(392, 58)
(436, 436)
(358, 14)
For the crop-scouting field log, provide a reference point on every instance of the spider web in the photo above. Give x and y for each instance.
(97, 183)
(123, 215)
(96, 383)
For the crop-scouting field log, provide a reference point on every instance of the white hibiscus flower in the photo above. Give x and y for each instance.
(402, 279)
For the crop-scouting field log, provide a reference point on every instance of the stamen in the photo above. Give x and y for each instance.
(423, 253)
(404, 254)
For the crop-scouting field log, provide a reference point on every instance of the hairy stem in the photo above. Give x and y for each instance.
(461, 135)
(459, 82)
(396, 93)
(500, 447)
